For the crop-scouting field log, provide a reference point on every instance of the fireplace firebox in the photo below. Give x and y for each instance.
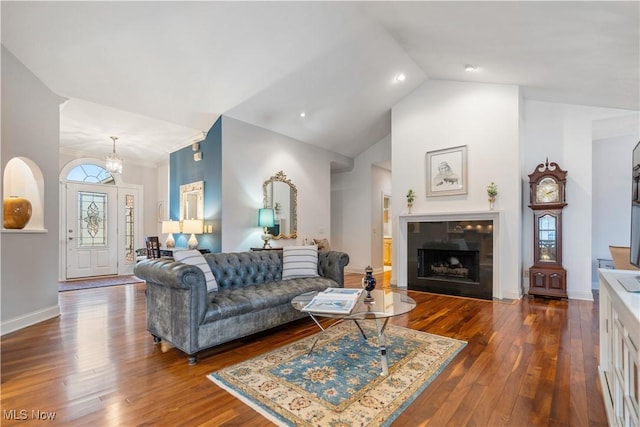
(449, 264)
(451, 258)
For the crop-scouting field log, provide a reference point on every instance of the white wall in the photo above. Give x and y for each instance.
(251, 156)
(485, 118)
(564, 134)
(357, 208)
(30, 128)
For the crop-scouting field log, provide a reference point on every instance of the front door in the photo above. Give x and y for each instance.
(91, 232)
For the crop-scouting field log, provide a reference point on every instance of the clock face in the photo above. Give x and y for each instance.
(547, 191)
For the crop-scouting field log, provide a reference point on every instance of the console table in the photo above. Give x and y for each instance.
(168, 252)
(619, 348)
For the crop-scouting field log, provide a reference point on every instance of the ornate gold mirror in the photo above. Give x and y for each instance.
(281, 195)
(192, 201)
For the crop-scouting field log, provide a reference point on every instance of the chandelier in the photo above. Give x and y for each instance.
(114, 163)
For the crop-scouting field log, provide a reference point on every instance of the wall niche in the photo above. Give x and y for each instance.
(22, 177)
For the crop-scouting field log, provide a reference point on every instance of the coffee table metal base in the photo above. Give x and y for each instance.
(380, 327)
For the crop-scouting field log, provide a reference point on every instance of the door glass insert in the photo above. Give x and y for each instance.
(128, 229)
(92, 219)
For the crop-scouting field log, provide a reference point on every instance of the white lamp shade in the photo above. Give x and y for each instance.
(170, 226)
(266, 217)
(192, 226)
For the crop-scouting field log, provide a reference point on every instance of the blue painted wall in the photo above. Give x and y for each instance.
(183, 170)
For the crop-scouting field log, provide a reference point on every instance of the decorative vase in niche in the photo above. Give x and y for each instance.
(17, 212)
(368, 283)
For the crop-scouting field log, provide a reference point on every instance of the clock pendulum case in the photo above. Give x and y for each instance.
(547, 277)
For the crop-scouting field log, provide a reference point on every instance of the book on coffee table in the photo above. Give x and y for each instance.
(334, 301)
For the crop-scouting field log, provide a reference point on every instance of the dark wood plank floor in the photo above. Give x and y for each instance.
(529, 362)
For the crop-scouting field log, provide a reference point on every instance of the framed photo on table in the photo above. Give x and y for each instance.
(447, 171)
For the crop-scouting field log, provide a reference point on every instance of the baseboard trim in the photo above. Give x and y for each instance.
(582, 295)
(29, 319)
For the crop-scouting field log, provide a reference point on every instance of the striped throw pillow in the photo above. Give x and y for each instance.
(299, 261)
(194, 257)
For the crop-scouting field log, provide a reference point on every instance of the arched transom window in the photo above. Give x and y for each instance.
(90, 173)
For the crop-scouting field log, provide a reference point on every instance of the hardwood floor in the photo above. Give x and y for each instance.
(529, 362)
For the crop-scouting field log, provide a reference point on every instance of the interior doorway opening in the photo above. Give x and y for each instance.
(387, 233)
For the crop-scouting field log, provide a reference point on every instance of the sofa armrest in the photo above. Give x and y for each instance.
(169, 273)
(331, 265)
(176, 300)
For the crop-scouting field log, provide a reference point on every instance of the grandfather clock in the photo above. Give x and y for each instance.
(547, 277)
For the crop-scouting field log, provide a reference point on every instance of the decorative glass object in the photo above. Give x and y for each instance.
(17, 212)
(411, 195)
(492, 192)
(92, 219)
(368, 283)
(113, 162)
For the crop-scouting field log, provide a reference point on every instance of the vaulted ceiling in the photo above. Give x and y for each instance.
(158, 74)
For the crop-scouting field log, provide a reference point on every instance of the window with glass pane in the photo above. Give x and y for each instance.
(92, 219)
(90, 173)
(547, 238)
(128, 229)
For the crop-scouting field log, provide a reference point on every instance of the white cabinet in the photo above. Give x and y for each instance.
(619, 349)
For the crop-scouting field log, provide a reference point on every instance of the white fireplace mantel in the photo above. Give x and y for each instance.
(401, 253)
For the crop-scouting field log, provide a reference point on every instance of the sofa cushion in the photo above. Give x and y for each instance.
(194, 257)
(299, 261)
(233, 302)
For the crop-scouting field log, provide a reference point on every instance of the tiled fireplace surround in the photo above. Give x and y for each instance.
(401, 267)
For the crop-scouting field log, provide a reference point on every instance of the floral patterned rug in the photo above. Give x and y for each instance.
(340, 383)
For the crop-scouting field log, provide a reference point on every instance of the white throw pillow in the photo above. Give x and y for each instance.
(194, 257)
(299, 261)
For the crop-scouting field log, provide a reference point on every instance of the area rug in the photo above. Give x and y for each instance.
(97, 282)
(340, 383)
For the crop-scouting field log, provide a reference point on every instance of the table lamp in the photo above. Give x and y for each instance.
(170, 227)
(266, 219)
(193, 226)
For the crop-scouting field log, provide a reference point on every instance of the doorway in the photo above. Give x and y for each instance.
(100, 222)
(91, 230)
(387, 230)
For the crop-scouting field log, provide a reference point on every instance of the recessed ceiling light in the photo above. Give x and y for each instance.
(303, 115)
(470, 68)
(401, 77)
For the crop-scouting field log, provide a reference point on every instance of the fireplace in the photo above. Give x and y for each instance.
(449, 265)
(451, 257)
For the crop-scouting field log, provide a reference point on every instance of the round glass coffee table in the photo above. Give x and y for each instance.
(387, 303)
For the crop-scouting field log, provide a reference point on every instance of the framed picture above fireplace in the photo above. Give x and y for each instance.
(447, 171)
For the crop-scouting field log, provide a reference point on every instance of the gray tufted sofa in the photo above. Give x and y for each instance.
(251, 296)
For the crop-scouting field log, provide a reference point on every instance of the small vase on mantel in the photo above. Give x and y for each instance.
(409, 205)
(492, 201)
(492, 192)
